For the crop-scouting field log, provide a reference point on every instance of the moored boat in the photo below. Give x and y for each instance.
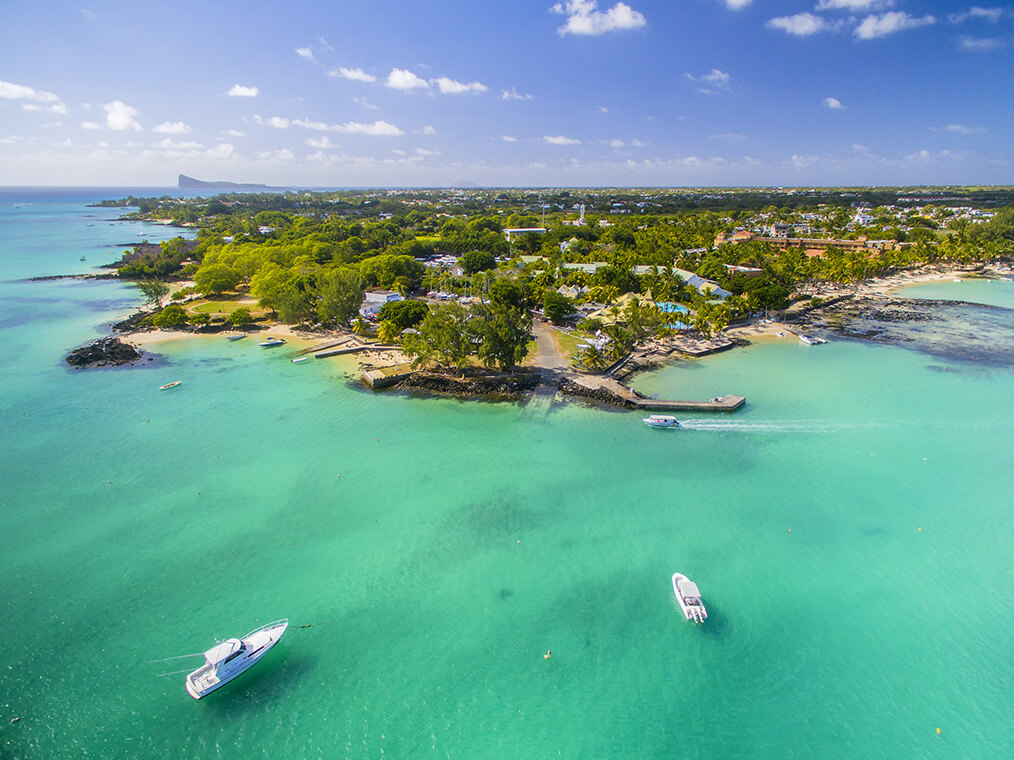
(225, 661)
(271, 342)
(235, 337)
(300, 359)
(173, 384)
(811, 340)
(689, 598)
(661, 421)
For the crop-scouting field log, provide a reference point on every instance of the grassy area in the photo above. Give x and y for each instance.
(532, 359)
(428, 238)
(568, 342)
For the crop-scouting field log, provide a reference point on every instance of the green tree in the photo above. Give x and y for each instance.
(443, 336)
(556, 306)
(199, 319)
(154, 290)
(504, 331)
(240, 317)
(403, 314)
(477, 261)
(171, 316)
(388, 332)
(214, 279)
(339, 292)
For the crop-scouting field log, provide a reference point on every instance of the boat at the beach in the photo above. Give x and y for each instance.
(661, 421)
(167, 386)
(271, 342)
(689, 598)
(235, 337)
(811, 340)
(223, 662)
(300, 359)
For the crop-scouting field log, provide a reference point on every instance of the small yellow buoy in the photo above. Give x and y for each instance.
(790, 530)
(938, 732)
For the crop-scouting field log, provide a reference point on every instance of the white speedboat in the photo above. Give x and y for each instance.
(271, 342)
(300, 359)
(225, 661)
(661, 421)
(689, 598)
(811, 340)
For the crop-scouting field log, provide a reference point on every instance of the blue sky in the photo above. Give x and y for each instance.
(507, 92)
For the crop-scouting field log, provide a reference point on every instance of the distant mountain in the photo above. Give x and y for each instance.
(464, 184)
(189, 183)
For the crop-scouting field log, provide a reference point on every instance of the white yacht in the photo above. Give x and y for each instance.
(225, 661)
(661, 421)
(271, 342)
(811, 340)
(689, 598)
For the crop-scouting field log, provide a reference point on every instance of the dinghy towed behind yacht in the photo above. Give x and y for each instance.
(225, 661)
(689, 598)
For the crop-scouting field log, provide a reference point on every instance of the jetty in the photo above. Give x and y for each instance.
(611, 391)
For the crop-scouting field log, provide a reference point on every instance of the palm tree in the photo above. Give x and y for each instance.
(361, 327)
(388, 332)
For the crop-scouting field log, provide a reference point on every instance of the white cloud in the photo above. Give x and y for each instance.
(234, 133)
(87, 13)
(993, 15)
(90, 125)
(424, 152)
(513, 94)
(617, 143)
(305, 53)
(716, 78)
(365, 104)
(239, 91)
(560, 140)
(860, 148)
(735, 5)
(357, 74)
(874, 27)
(376, 129)
(276, 155)
(403, 79)
(275, 121)
(120, 116)
(187, 145)
(508, 138)
(11, 91)
(172, 128)
(59, 108)
(584, 17)
(451, 87)
(322, 143)
(601, 109)
(428, 130)
(834, 104)
(853, 5)
(981, 44)
(800, 25)
(963, 130)
(730, 136)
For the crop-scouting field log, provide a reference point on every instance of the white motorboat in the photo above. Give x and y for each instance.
(811, 340)
(225, 661)
(661, 421)
(235, 337)
(689, 598)
(300, 359)
(271, 342)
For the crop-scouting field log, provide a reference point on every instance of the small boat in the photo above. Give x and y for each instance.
(661, 421)
(225, 661)
(300, 359)
(271, 342)
(235, 337)
(82, 258)
(811, 340)
(689, 598)
(167, 386)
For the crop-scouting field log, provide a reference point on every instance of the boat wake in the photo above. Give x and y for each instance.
(784, 426)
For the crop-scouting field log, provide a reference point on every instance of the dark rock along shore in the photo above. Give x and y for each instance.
(104, 352)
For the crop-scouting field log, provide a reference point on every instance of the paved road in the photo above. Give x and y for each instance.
(549, 356)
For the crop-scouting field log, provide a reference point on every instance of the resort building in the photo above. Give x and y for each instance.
(811, 244)
(510, 232)
(374, 299)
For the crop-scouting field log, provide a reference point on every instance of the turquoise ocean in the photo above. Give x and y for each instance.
(850, 530)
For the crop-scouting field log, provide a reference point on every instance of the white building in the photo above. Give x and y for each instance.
(373, 300)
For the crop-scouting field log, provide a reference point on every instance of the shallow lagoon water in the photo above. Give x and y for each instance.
(849, 529)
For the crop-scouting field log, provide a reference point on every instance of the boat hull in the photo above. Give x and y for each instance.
(693, 612)
(261, 641)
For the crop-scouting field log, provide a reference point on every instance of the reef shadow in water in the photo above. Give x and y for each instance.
(956, 331)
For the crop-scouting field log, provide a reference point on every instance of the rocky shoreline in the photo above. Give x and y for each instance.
(471, 383)
(104, 352)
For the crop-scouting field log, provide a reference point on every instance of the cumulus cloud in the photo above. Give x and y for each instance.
(617, 143)
(735, 5)
(405, 80)
(508, 138)
(234, 133)
(560, 140)
(834, 104)
(321, 143)
(853, 5)
(305, 53)
(873, 27)
(11, 91)
(451, 87)
(513, 94)
(584, 18)
(800, 25)
(172, 128)
(90, 125)
(275, 121)
(981, 44)
(376, 129)
(365, 104)
(239, 91)
(90, 15)
(428, 130)
(993, 15)
(121, 117)
(355, 74)
(961, 129)
(716, 79)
